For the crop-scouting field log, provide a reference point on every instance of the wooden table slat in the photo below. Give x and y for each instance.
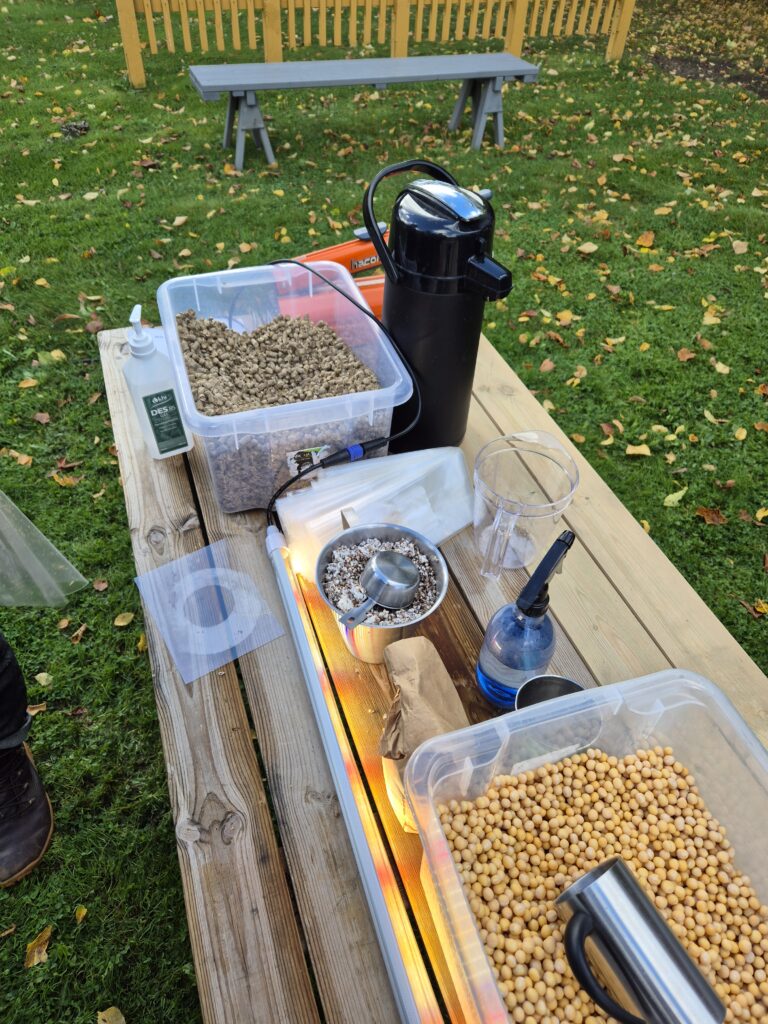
(245, 938)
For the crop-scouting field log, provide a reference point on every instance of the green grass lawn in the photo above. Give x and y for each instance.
(655, 337)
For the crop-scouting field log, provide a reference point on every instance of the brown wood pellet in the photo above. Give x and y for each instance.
(289, 359)
(529, 836)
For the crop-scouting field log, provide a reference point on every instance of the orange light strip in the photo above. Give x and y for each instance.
(421, 990)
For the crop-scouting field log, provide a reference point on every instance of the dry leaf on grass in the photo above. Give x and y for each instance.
(684, 354)
(37, 949)
(587, 248)
(110, 1016)
(77, 636)
(28, 382)
(711, 516)
(100, 585)
(637, 449)
(36, 709)
(80, 913)
(673, 500)
(646, 239)
(124, 619)
(44, 678)
(7, 932)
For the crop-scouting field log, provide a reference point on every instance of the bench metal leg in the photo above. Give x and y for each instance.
(229, 121)
(249, 119)
(480, 113)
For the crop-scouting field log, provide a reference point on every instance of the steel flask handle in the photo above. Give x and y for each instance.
(577, 931)
(374, 232)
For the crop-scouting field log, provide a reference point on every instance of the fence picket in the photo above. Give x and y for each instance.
(218, 24)
(418, 21)
(250, 21)
(461, 19)
(485, 31)
(502, 10)
(572, 10)
(382, 28)
(368, 22)
(533, 23)
(432, 25)
(352, 34)
(545, 18)
(474, 14)
(445, 34)
(594, 24)
(322, 28)
(186, 37)
(291, 24)
(605, 27)
(150, 20)
(234, 17)
(168, 26)
(582, 28)
(558, 26)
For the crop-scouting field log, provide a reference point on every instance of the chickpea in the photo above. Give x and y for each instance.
(523, 841)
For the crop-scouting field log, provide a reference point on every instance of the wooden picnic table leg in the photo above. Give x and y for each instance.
(229, 121)
(461, 103)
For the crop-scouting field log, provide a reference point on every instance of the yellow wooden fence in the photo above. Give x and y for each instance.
(265, 27)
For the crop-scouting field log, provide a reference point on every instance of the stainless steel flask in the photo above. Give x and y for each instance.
(611, 925)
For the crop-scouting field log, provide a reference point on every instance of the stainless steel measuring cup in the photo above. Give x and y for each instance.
(523, 484)
(613, 926)
(390, 580)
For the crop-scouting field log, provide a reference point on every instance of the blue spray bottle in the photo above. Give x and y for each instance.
(520, 639)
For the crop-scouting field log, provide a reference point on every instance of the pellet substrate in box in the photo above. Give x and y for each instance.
(250, 453)
(673, 709)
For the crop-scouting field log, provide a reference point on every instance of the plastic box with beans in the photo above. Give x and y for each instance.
(257, 445)
(511, 811)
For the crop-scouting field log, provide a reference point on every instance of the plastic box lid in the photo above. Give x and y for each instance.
(674, 708)
(246, 298)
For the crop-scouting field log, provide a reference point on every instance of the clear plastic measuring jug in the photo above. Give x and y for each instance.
(523, 484)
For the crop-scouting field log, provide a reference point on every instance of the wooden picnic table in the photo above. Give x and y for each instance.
(279, 925)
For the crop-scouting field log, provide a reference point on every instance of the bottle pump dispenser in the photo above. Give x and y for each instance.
(520, 639)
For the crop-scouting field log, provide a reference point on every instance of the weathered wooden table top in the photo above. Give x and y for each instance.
(279, 926)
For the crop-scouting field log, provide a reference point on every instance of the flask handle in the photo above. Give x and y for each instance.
(374, 232)
(577, 931)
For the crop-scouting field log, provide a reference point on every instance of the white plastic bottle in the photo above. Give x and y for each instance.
(150, 381)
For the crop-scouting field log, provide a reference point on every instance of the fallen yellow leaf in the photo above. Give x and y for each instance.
(740, 433)
(761, 607)
(110, 1016)
(7, 932)
(41, 282)
(740, 247)
(141, 643)
(28, 382)
(57, 355)
(37, 949)
(662, 211)
(645, 525)
(278, 192)
(646, 239)
(90, 196)
(178, 221)
(637, 449)
(245, 247)
(564, 317)
(66, 480)
(124, 619)
(80, 910)
(673, 500)
(44, 678)
(644, 346)
(722, 368)
(761, 514)
(183, 253)
(587, 248)
(36, 709)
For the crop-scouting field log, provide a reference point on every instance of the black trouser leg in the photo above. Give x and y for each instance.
(14, 720)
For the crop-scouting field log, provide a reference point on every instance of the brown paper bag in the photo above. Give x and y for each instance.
(426, 704)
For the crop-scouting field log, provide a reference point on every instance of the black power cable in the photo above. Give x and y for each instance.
(352, 452)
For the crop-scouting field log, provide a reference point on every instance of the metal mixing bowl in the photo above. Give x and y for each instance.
(368, 643)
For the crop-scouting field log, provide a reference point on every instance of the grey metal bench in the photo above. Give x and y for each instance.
(482, 76)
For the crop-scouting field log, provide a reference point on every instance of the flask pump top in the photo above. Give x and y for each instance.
(139, 339)
(534, 599)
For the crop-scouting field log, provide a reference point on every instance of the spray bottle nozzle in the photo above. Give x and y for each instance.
(534, 599)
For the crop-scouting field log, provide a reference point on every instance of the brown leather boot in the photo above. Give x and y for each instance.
(26, 817)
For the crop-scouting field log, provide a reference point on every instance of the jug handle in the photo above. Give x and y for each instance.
(493, 560)
(374, 232)
(577, 931)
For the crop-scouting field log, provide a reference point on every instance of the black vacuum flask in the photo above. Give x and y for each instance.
(439, 275)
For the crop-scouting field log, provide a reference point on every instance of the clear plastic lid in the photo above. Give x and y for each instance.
(33, 573)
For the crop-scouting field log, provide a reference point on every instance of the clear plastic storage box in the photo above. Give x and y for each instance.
(250, 453)
(674, 708)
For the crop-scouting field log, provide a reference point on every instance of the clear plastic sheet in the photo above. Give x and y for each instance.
(207, 612)
(33, 572)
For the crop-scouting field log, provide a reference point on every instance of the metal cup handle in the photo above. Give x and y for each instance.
(577, 931)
